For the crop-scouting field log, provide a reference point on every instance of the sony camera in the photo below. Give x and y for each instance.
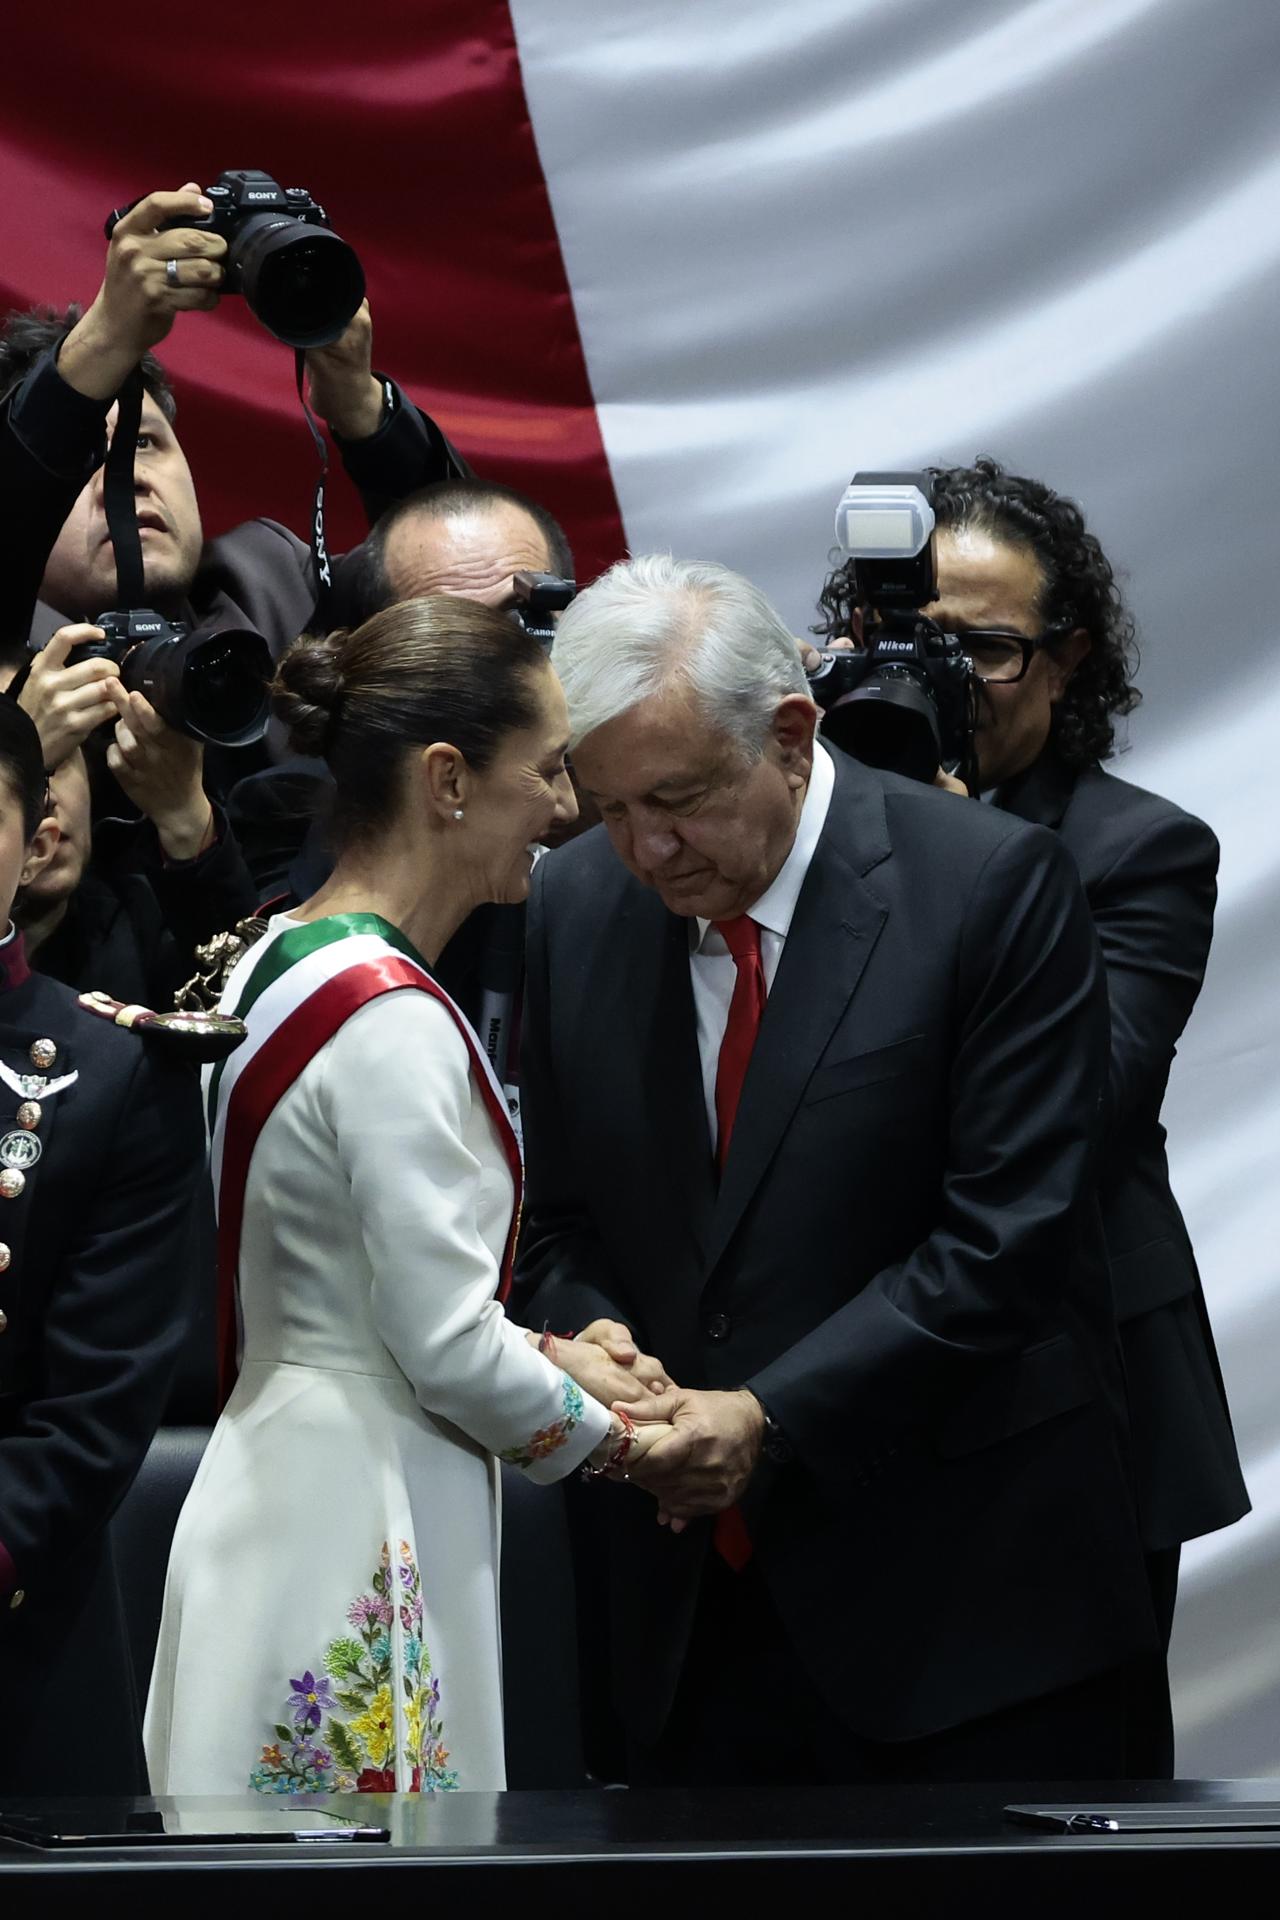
(905, 699)
(302, 281)
(209, 683)
(539, 597)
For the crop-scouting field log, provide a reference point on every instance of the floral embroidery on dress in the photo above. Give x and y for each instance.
(548, 1439)
(343, 1733)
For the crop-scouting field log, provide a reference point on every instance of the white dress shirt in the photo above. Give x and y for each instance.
(711, 965)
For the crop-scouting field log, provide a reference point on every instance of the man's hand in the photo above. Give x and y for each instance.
(710, 1456)
(950, 784)
(162, 771)
(135, 306)
(67, 703)
(343, 388)
(811, 659)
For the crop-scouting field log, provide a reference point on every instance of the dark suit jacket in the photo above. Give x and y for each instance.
(94, 1294)
(1150, 877)
(901, 1261)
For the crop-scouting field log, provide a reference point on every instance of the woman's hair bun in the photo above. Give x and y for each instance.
(307, 691)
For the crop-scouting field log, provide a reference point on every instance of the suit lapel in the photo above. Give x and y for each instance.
(837, 921)
(659, 1001)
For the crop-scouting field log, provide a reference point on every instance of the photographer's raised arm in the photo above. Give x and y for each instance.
(154, 272)
(389, 447)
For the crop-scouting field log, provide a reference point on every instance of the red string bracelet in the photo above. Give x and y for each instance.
(615, 1461)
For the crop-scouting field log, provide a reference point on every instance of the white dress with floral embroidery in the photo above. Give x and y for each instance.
(331, 1609)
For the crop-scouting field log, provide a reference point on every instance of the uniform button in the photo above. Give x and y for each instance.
(5, 1257)
(719, 1326)
(16, 1599)
(43, 1054)
(4, 1320)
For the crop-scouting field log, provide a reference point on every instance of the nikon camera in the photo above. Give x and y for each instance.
(905, 699)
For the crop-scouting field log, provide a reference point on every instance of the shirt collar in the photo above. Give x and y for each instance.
(777, 904)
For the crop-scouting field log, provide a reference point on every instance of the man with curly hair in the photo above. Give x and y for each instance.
(1017, 561)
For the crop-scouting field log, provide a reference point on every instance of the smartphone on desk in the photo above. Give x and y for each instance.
(1173, 1816)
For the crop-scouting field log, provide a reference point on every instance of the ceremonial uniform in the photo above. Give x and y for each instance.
(100, 1147)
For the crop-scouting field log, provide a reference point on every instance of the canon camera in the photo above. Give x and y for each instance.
(539, 597)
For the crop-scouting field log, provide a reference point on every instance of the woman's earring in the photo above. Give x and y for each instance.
(457, 813)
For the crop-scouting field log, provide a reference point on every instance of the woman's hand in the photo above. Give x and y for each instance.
(592, 1368)
(616, 1340)
(640, 1436)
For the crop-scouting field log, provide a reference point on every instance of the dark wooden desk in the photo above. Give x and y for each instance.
(915, 1851)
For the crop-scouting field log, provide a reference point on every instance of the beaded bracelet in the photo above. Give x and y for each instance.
(615, 1461)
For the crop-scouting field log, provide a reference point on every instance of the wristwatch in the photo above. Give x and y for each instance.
(775, 1445)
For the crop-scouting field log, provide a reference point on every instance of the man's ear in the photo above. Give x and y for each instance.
(1064, 657)
(792, 730)
(41, 848)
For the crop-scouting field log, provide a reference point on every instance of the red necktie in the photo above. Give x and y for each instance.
(746, 1010)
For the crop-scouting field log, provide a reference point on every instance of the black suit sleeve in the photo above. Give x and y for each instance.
(52, 441)
(1027, 1081)
(114, 1320)
(562, 1275)
(1153, 910)
(196, 898)
(407, 452)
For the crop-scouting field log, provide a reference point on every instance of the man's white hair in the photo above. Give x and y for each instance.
(656, 622)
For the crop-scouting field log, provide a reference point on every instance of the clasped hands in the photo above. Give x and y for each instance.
(694, 1451)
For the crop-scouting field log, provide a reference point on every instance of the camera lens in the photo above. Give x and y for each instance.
(211, 686)
(224, 687)
(303, 282)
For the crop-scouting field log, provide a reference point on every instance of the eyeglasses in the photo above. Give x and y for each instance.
(999, 654)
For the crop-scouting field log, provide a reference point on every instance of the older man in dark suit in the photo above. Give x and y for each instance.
(813, 1062)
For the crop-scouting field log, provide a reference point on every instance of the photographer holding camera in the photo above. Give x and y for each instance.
(122, 904)
(1026, 593)
(61, 380)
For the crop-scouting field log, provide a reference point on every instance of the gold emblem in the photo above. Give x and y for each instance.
(43, 1054)
(11, 1183)
(214, 961)
(5, 1257)
(30, 1114)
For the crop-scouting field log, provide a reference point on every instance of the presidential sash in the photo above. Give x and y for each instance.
(294, 995)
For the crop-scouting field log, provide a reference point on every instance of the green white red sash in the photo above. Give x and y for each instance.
(294, 993)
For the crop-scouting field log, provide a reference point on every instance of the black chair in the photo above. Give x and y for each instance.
(539, 1637)
(142, 1533)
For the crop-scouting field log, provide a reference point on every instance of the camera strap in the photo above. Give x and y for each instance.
(320, 564)
(119, 497)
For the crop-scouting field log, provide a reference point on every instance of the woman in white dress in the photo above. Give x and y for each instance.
(331, 1609)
